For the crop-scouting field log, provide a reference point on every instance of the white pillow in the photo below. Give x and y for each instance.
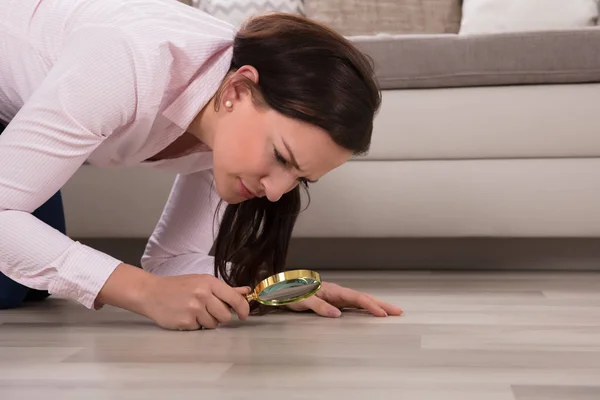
(494, 16)
(237, 12)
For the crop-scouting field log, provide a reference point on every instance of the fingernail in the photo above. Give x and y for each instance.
(335, 312)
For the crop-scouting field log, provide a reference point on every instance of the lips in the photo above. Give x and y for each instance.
(244, 191)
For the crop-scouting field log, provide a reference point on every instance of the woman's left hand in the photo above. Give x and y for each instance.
(331, 298)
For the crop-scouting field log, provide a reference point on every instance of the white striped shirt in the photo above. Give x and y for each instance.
(112, 82)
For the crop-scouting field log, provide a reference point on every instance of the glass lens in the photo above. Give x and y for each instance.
(288, 290)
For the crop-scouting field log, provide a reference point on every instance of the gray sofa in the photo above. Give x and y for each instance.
(480, 137)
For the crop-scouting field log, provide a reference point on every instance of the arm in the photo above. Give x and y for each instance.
(177, 287)
(90, 92)
(186, 230)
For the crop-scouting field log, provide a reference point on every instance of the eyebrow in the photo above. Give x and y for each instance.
(294, 161)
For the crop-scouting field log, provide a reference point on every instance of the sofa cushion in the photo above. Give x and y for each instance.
(492, 16)
(360, 17)
(450, 60)
(527, 121)
(236, 12)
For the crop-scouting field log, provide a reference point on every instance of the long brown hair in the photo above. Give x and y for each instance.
(310, 73)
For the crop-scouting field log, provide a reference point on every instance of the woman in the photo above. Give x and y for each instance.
(244, 118)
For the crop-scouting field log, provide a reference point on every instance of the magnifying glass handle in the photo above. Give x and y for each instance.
(251, 296)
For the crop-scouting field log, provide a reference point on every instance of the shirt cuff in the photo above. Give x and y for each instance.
(82, 272)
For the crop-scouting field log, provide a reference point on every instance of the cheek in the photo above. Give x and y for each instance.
(242, 146)
(257, 162)
(242, 154)
(229, 144)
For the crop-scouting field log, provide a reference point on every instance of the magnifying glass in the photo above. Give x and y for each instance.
(286, 287)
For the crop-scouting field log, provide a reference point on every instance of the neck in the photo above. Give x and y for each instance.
(202, 127)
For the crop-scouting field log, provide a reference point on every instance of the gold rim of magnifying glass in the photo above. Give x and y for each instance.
(284, 276)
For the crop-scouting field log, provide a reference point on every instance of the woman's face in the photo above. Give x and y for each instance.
(258, 152)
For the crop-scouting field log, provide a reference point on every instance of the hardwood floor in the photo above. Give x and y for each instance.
(484, 336)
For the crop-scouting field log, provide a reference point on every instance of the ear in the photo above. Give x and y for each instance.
(235, 89)
(248, 72)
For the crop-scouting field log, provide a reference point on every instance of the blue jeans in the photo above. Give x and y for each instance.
(13, 294)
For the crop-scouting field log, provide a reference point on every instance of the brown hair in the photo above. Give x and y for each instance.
(310, 73)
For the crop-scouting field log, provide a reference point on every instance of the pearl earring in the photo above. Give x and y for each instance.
(228, 104)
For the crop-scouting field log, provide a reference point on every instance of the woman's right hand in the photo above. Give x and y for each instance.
(191, 302)
(186, 302)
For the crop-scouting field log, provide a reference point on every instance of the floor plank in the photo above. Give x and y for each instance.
(555, 392)
(464, 335)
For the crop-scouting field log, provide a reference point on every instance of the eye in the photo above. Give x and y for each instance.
(279, 157)
(285, 162)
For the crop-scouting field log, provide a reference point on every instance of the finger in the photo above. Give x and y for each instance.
(244, 291)
(207, 321)
(189, 325)
(390, 309)
(219, 310)
(299, 306)
(361, 300)
(231, 296)
(322, 307)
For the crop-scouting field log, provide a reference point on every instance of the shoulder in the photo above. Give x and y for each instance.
(170, 41)
(164, 33)
(155, 25)
(170, 57)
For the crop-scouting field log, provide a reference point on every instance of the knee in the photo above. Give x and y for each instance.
(52, 213)
(7, 301)
(12, 294)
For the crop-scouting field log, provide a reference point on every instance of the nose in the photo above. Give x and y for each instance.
(275, 187)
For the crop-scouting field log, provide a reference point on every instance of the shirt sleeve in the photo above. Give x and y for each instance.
(185, 233)
(90, 92)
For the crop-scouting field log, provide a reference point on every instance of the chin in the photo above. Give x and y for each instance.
(235, 200)
(229, 195)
